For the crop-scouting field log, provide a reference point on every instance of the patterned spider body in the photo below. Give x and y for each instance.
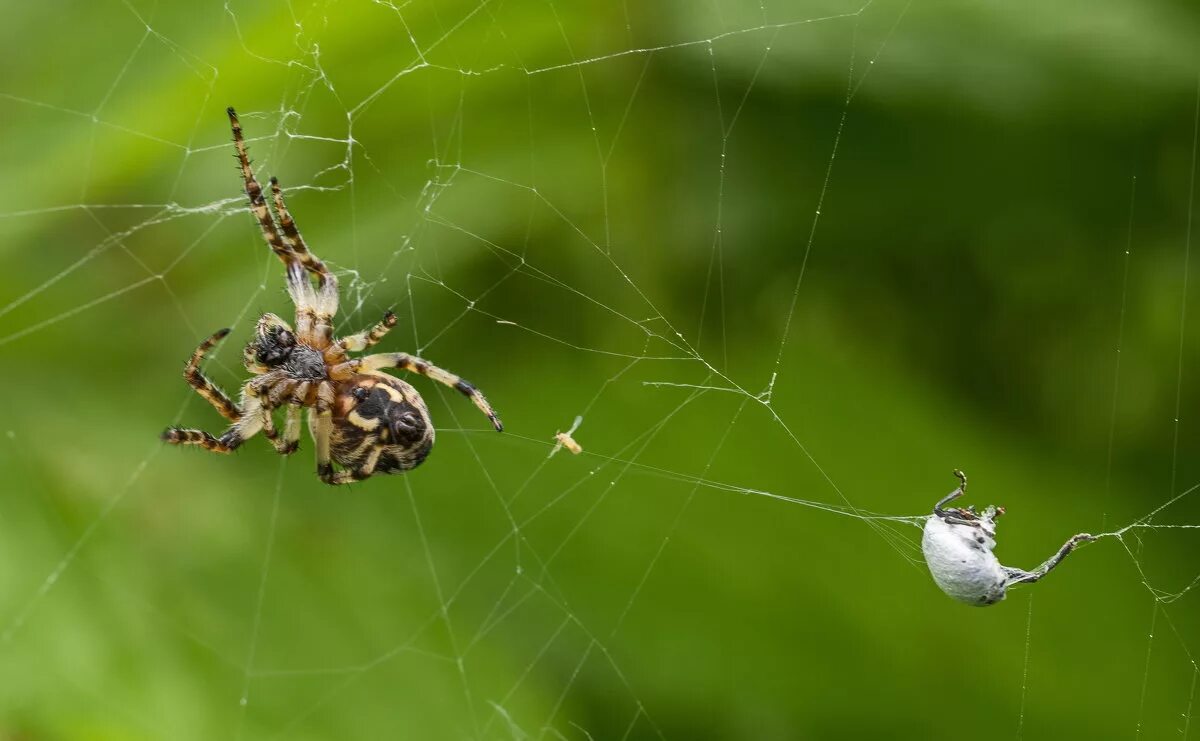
(364, 420)
(380, 415)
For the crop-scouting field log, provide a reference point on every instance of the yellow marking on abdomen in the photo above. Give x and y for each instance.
(361, 422)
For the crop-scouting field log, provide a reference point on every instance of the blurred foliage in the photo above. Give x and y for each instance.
(989, 205)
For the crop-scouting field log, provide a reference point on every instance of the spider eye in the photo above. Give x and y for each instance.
(359, 393)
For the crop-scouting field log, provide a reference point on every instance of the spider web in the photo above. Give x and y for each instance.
(566, 206)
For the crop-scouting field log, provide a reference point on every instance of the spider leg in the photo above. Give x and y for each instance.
(953, 516)
(268, 420)
(250, 362)
(358, 474)
(320, 421)
(362, 340)
(184, 436)
(206, 388)
(308, 301)
(291, 431)
(960, 517)
(1020, 576)
(258, 204)
(281, 392)
(292, 238)
(290, 393)
(323, 303)
(246, 427)
(413, 364)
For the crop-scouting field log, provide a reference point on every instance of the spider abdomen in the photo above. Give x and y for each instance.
(961, 562)
(377, 415)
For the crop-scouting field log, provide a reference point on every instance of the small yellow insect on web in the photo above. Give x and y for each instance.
(564, 439)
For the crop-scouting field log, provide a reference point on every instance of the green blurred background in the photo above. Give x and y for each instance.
(1004, 197)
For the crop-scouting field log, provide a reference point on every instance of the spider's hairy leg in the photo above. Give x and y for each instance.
(291, 237)
(258, 204)
(250, 362)
(292, 394)
(291, 431)
(320, 422)
(319, 306)
(226, 443)
(362, 340)
(266, 410)
(301, 290)
(206, 388)
(301, 396)
(248, 426)
(281, 392)
(414, 364)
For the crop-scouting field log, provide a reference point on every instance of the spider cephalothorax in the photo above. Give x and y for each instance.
(361, 418)
(272, 344)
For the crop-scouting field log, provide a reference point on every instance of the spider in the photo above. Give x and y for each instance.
(367, 421)
(958, 547)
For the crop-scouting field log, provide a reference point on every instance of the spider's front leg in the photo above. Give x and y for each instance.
(314, 308)
(362, 340)
(413, 364)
